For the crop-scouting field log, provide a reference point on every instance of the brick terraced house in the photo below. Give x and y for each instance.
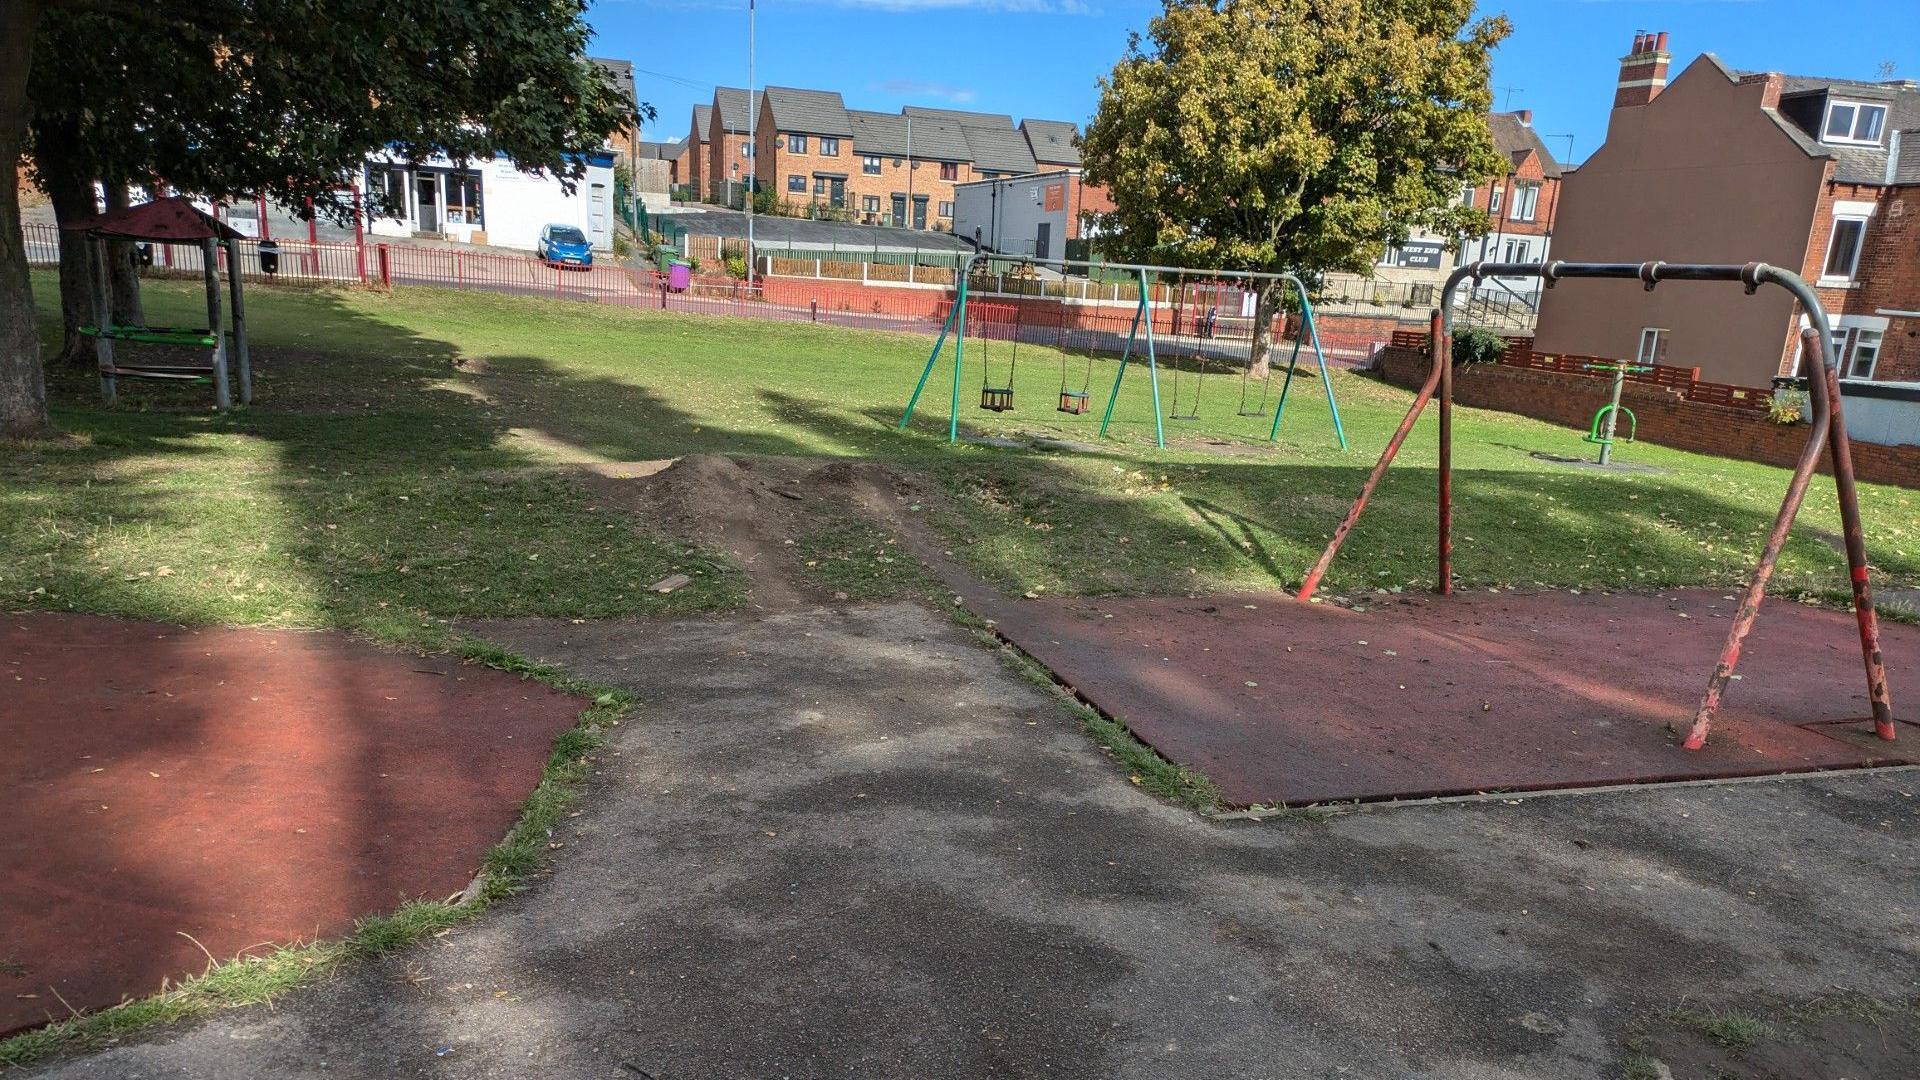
(729, 165)
(1820, 175)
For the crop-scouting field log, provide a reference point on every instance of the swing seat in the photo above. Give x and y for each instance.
(997, 398)
(1259, 411)
(1073, 401)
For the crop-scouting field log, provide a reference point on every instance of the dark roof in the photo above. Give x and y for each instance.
(1906, 167)
(1516, 139)
(736, 109)
(1851, 164)
(702, 122)
(963, 117)
(999, 149)
(665, 151)
(620, 74)
(171, 218)
(811, 112)
(1053, 142)
(933, 138)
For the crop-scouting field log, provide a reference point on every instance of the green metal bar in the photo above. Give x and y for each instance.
(1320, 357)
(926, 372)
(1125, 355)
(1153, 368)
(959, 358)
(1286, 384)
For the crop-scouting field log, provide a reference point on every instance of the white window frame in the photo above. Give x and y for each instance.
(1859, 212)
(1852, 355)
(1859, 109)
(1525, 202)
(1468, 193)
(1389, 255)
(1494, 200)
(1653, 343)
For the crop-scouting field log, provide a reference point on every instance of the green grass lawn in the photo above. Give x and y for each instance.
(389, 474)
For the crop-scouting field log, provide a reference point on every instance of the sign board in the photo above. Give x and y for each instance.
(1422, 254)
(1056, 197)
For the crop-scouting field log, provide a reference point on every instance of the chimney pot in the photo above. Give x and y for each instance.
(1525, 116)
(1639, 43)
(1660, 43)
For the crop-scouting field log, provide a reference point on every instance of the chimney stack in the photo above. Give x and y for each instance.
(1525, 116)
(1643, 72)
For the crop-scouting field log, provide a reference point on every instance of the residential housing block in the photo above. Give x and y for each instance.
(1818, 175)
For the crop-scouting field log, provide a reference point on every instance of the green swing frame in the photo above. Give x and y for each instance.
(1140, 333)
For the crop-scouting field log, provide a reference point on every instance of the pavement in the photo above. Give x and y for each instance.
(851, 842)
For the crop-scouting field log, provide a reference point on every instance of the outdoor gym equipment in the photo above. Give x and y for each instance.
(169, 220)
(1605, 421)
(1141, 342)
(1829, 429)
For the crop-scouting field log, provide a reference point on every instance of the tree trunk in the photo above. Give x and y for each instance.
(71, 192)
(23, 391)
(123, 270)
(1266, 306)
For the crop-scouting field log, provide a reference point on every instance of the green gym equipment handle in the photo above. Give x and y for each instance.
(1600, 419)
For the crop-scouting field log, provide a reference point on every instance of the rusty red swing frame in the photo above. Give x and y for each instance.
(1829, 430)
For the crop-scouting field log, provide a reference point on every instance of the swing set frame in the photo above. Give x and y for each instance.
(1140, 332)
(1827, 431)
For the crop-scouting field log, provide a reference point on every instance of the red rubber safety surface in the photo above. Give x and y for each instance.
(240, 786)
(1283, 702)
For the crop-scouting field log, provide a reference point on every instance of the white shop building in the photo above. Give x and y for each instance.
(491, 202)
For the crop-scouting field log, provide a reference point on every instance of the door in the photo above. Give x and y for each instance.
(900, 210)
(919, 211)
(428, 186)
(1043, 241)
(837, 194)
(598, 216)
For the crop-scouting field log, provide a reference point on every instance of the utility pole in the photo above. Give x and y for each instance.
(753, 146)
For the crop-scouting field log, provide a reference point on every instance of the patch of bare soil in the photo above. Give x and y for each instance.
(750, 507)
(1849, 1040)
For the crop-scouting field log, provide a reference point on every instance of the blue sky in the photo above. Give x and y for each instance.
(1040, 58)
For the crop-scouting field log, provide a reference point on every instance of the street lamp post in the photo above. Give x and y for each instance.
(753, 146)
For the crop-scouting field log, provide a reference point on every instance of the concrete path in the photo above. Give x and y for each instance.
(853, 844)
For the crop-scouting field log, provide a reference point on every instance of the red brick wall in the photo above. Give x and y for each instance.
(1887, 277)
(1664, 417)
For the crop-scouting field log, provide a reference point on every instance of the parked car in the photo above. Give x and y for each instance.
(564, 245)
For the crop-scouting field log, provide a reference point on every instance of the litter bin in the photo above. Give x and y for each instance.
(269, 257)
(679, 276)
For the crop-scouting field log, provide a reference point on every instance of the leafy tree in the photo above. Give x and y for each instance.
(1293, 135)
(284, 99)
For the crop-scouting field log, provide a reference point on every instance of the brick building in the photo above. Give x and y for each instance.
(1819, 175)
(729, 164)
(691, 166)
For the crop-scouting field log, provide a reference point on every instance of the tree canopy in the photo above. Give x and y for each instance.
(284, 99)
(1294, 135)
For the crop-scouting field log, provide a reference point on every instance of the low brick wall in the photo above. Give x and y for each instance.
(1665, 417)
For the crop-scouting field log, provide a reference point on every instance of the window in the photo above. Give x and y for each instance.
(870, 203)
(829, 147)
(1653, 346)
(949, 170)
(1853, 122)
(387, 190)
(463, 198)
(1843, 249)
(870, 165)
(746, 149)
(1389, 256)
(797, 143)
(988, 174)
(1467, 194)
(1526, 199)
(1860, 360)
(819, 185)
(1515, 252)
(796, 184)
(1494, 206)
(946, 209)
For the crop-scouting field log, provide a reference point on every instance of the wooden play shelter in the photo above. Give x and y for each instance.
(173, 220)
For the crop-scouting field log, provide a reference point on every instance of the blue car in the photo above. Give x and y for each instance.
(564, 245)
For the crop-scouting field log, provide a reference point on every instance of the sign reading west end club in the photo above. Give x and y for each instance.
(1421, 254)
(1056, 197)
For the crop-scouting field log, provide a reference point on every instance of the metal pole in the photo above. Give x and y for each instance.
(103, 322)
(1153, 367)
(239, 325)
(1125, 354)
(1842, 455)
(208, 252)
(1608, 428)
(1813, 345)
(1443, 359)
(753, 145)
(932, 358)
(959, 360)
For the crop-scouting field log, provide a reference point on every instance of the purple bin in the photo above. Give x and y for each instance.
(679, 276)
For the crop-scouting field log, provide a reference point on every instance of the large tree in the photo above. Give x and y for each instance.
(1293, 135)
(285, 98)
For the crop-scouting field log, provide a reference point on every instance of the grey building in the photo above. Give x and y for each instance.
(1024, 216)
